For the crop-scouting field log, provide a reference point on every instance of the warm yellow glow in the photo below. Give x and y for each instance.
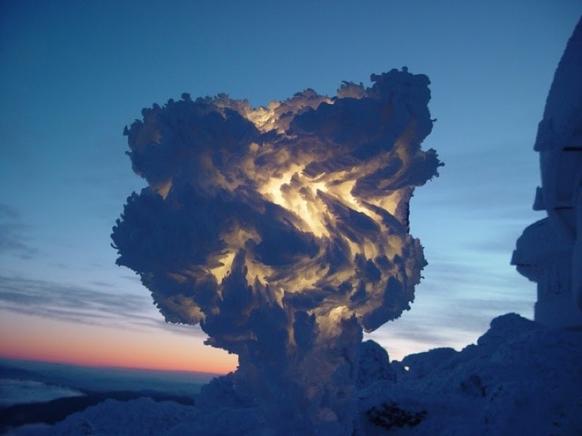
(264, 118)
(290, 188)
(389, 202)
(329, 324)
(257, 271)
(164, 188)
(272, 188)
(222, 270)
(336, 206)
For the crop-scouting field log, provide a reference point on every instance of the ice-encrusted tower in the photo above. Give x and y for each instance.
(549, 251)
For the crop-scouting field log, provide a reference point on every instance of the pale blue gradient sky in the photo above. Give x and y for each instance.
(73, 73)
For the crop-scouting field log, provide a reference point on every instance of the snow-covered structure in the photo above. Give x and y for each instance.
(549, 251)
(283, 231)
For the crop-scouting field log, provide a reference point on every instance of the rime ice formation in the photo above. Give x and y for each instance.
(549, 251)
(283, 231)
(373, 364)
(521, 378)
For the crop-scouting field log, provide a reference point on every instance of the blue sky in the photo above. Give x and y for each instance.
(72, 74)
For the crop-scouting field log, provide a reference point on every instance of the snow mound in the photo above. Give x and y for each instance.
(520, 378)
(420, 364)
(141, 417)
(374, 364)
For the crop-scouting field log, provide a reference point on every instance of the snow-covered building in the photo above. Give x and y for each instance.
(549, 251)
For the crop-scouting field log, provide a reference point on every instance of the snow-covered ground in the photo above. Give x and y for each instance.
(519, 379)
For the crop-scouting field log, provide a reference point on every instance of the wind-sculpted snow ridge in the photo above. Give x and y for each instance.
(283, 231)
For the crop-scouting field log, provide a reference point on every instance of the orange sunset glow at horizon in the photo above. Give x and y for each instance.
(58, 341)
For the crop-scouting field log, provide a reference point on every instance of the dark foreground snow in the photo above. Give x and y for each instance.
(520, 378)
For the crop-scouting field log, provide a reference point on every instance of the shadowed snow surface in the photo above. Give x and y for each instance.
(520, 378)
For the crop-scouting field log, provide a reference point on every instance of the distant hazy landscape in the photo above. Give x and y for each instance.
(38, 392)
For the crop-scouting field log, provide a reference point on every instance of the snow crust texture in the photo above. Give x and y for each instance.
(521, 378)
